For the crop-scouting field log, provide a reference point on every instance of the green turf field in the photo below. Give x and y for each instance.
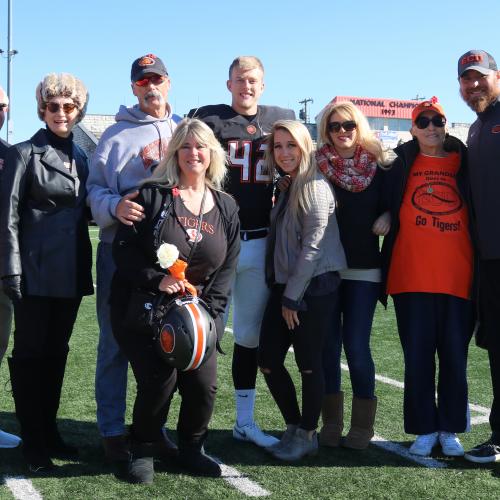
(379, 472)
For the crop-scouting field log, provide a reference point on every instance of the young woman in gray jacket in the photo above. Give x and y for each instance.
(303, 257)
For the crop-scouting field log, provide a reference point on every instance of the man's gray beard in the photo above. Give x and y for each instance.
(480, 104)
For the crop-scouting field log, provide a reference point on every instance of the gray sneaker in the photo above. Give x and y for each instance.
(285, 439)
(298, 447)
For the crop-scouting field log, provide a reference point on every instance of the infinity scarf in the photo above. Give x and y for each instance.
(352, 174)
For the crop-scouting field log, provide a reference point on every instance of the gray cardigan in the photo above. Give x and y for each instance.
(308, 245)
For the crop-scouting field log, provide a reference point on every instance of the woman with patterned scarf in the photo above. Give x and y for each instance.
(349, 157)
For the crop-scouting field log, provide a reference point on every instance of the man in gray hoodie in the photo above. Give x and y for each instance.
(127, 153)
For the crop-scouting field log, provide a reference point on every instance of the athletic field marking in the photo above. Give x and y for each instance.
(479, 409)
(480, 419)
(404, 452)
(241, 482)
(22, 488)
(396, 383)
(238, 480)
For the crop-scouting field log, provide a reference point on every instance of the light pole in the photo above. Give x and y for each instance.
(10, 54)
(303, 112)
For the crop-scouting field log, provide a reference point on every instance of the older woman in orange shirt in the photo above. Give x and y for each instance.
(429, 258)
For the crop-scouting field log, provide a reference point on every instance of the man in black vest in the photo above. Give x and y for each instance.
(479, 80)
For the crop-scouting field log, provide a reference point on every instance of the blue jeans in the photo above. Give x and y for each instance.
(112, 365)
(352, 326)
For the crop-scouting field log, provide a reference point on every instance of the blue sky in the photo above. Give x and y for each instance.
(314, 49)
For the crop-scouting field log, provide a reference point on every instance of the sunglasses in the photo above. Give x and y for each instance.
(54, 107)
(3, 106)
(348, 126)
(154, 79)
(423, 121)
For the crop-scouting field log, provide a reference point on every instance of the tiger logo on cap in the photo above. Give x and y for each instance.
(147, 60)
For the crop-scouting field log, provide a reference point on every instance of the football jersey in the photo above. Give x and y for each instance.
(243, 140)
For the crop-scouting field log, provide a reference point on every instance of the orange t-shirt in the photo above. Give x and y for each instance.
(432, 252)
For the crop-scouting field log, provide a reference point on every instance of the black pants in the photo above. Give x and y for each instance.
(489, 283)
(43, 326)
(156, 384)
(307, 340)
(430, 323)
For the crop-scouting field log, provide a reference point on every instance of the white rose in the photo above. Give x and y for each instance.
(167, 254)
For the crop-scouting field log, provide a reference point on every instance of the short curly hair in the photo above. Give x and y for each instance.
(61, 85)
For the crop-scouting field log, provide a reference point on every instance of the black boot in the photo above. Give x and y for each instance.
(141, 466)
(165, 449)
(25, 378)
(192, 457)
(53, 376)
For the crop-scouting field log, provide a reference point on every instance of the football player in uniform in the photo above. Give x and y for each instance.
(241, 128)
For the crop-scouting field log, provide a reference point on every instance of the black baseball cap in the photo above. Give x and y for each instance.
(478, 60)
(147, 64)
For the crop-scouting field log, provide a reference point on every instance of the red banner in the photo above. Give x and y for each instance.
(381, 108)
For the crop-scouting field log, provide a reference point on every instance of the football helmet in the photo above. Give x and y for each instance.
(186, 335)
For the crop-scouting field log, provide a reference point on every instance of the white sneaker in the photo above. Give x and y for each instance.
(451, 445)
(253, 434)
(423, 444)
(9, 440)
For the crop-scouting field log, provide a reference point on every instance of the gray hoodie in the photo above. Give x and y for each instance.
(127, 153)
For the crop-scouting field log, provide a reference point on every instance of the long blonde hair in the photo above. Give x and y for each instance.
(302, 189)
(167, 172)
(365, 137)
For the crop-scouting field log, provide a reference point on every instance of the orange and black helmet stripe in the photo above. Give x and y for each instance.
(200, 336)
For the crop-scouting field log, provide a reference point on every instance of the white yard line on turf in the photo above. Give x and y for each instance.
(396, 383)
(480, 419)
(404, 452)
(22, 488)
(241, 482)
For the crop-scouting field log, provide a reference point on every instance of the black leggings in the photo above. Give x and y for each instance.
(156, 384)
(307, 340)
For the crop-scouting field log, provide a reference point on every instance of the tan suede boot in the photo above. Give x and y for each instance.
(362, 420)
(332, 414)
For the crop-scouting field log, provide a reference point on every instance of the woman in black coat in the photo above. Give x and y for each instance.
(183, 204)
(46, 260)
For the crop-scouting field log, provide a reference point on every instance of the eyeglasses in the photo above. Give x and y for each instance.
(437, 120)
(154, 79)
(348, 126)
(3, 106)
(68, 107)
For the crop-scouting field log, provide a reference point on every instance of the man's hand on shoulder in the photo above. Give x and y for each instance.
(128, 211)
